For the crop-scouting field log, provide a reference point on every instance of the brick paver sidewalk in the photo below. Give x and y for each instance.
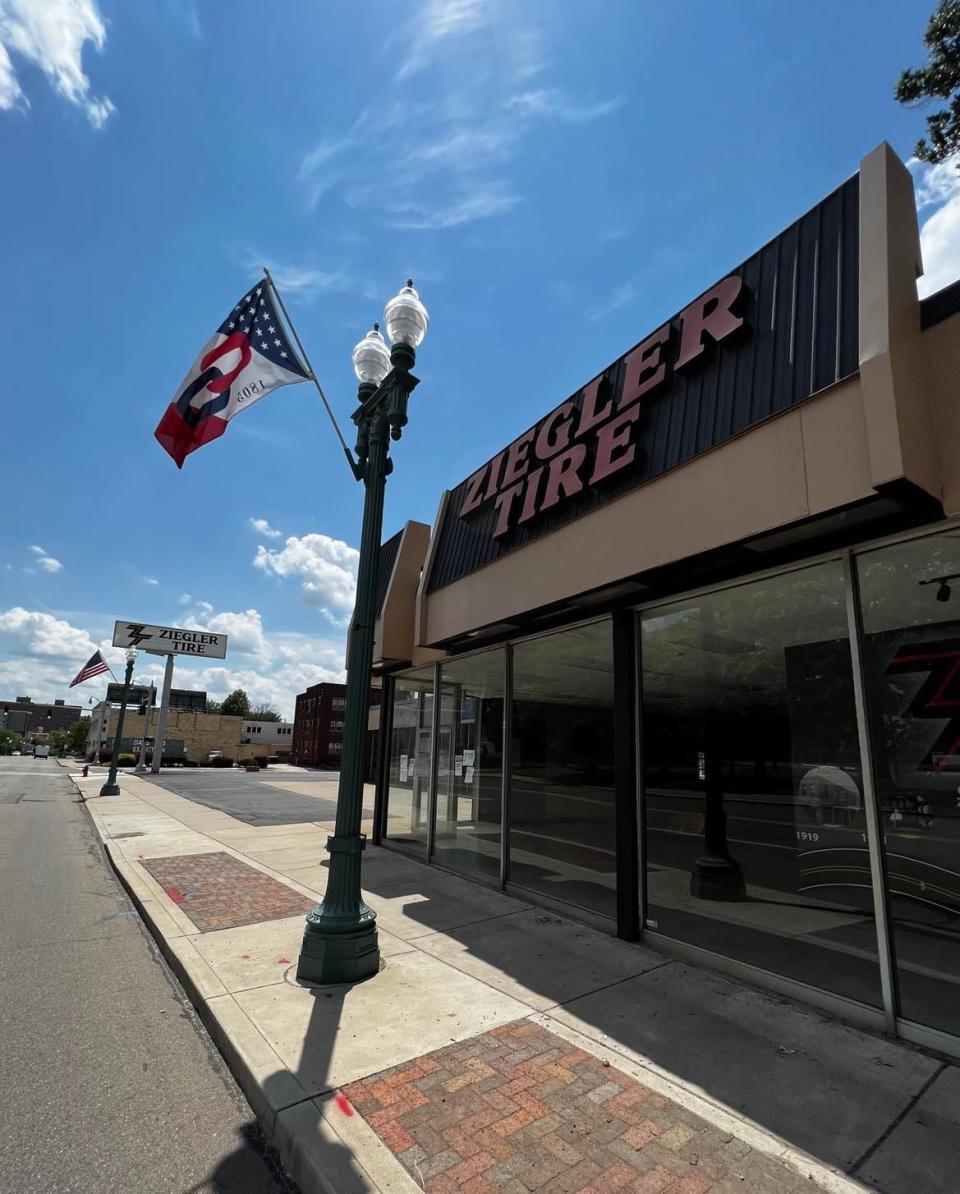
(218, 891)
(520, 1109)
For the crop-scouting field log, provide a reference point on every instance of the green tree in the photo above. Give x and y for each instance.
(214, 706)
(77, 736)
(938, 80)
(237, 704)
(58, 741)
(9, 741)
(264, 712)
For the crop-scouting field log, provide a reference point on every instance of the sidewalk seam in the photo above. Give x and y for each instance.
(898, 1119)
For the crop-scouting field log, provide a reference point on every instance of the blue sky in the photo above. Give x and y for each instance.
(557, 178)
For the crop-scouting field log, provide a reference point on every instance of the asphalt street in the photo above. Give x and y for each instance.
(110, 1083)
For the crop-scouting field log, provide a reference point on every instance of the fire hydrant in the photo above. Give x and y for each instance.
(85, 771)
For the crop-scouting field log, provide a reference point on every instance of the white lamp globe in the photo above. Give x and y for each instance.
(406, 317)
(131, 654)
(371, 360)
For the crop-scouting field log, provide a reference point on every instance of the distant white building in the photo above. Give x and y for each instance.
(276, 737)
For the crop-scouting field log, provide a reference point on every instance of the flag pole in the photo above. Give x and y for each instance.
(354, 467)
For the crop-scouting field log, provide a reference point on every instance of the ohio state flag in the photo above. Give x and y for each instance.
(248, 356)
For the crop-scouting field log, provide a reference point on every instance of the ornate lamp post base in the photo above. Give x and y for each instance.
(339, 949)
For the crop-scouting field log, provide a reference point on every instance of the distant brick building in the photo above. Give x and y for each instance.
(26, 717)
(318, 725)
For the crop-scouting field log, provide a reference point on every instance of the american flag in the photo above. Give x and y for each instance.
(247, 356)
(93, 667)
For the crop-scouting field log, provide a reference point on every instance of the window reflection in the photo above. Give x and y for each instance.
(409, 786)
(756, 835)
(562, 830)
(470, 764)
(910, 597)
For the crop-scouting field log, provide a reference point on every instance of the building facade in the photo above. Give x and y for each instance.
(683, 659)
(23, 716)
(275, 738)
(318, 725)
(187, 735)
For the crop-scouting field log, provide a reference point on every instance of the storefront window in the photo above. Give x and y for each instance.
(470, 763)
(408, 795)
(910, 597)
(562, 827)
(756, 843)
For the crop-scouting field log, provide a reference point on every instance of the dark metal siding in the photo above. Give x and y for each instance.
(937, 307)
(802, 311)
(385, 563)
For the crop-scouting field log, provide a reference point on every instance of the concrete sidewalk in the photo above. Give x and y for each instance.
(504, 1048)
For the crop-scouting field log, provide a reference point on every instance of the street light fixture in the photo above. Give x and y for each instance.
(111, 787)
(340, 939)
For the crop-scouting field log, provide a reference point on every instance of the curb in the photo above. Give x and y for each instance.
(306, 1139)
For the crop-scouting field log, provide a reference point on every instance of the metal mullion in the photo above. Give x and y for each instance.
(505, 754)
(383, 771)
(888, 973)
(434, 764)
(640, 788)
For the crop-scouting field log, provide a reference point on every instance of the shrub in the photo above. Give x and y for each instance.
(223, 761)
(125, 760)
(190, 763)
(260, 760)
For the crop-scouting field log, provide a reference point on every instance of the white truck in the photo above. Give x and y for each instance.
(41, 752)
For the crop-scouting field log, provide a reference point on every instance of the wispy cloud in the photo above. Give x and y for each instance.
(51, 35)
(554, 102)
(439, 22)
(626, 293)
(262, 527)
(150, 580)
(44, 560)
(456, 153)
(305, 281)
(479, 206)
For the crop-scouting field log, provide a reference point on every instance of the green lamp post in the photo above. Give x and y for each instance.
(111, 787)
(340, 939)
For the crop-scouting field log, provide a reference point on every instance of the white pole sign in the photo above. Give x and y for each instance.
(169, 640)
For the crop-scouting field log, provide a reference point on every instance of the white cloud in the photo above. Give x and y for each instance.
(243, 628)
(326, 568)
(33, 632)
(262, 527)
(440, 21)
(272, 668)
(44, 560)
(454, 153)
(553, 102)
(51, 34)
(41, 653)
(938, 205)
(481, 205)
(150, 580)
(185, 599)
